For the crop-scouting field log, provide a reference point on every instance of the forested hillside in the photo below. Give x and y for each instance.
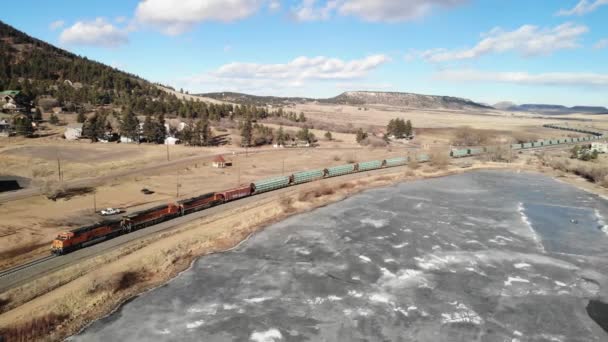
(39, 70)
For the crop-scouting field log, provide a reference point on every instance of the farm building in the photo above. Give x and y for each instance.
(73, 131)
(219, 162)
(171, 141)
(9, 99)
(600, 147)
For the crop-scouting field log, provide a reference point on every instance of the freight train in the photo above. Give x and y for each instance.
(74, 239)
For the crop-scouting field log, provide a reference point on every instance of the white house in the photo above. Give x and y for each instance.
(73, 131)
(171, 141)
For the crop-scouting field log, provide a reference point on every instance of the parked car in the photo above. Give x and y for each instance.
(110, 211)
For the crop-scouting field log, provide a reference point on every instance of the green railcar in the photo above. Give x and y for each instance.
(340, 170)
(526, 145)
(423, 158)
(459, 153)
(396, 161)
(516, 146)
(307, 176)
(475, 151)
(370, 165)
(270, 184)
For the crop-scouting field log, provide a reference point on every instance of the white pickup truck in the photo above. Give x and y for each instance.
(110, 211)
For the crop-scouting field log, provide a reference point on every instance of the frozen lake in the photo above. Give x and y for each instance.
(484, 256)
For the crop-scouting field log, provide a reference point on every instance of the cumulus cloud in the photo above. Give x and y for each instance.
(528, 40)
(95, 33)
(259, 78)
(525, 78)
(371, 10)
(57, 24)
(583, 7)
(176, 17)
(601, 44)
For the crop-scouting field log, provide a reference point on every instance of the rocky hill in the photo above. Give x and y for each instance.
(405, 100)
(357, 98)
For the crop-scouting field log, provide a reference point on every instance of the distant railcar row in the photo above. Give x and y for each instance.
(74, 239)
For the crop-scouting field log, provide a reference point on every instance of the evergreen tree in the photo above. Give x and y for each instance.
(81, 118)
(23, 125)
(37, 115)
(161, 130)
(328, 135)
(408, 128)
(149, 130)
(53, 119)
(302, 118)
(129, 125)
(96, 126)
(247, 132)
(361, 135)
(280, 138)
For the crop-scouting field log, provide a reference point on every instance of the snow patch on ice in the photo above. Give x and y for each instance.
(364, 258)
(526, 221)
(463, 315)
(401, 245)
(602, 222)
(522, 265)
(389, 260)
(559, 283)
(355, 294)
(257, 299)
(375, 223)
(321, 300)
(195, 324)
(165, 331)
(270, 335)
(511, 280)
(379, 298)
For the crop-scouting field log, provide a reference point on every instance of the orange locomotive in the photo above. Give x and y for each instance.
(85, 236)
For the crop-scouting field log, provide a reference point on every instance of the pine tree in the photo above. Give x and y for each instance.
(408, 128)
(37, 115)
(149, 129)
(361, 135)
(302, 118)
(161, 130)
(95, 126)
(280, 139)
(23, 125)
(129, 125)
(53, 119)
(328, 135)
(81, 118)
(247, 132)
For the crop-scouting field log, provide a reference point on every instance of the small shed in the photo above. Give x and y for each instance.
(171, 141)
(219, 162)
(600, 147)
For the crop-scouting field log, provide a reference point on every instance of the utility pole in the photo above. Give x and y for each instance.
(168, 159)
(283, 169)
(177, 185)
(58, 166)
(94, 201)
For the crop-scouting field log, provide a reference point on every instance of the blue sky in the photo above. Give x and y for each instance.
(541, 51)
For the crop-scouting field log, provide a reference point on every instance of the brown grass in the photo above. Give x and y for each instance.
(319, 191)
(16, 251)
(468, 136)
(596, 172)
(439, 158)
(34, 329)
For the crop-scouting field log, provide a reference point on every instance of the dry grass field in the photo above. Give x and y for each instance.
(29, 224)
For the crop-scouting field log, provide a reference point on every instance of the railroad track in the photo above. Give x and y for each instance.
(26, 265)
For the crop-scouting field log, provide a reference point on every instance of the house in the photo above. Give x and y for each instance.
(5, 128)
(219, 162)
(73, 131)
(600, 147)
(9, 99)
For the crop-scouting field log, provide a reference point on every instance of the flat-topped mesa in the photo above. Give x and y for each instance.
(405, 100)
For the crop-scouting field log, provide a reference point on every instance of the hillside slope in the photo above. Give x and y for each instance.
(38, 69)
(558, 109)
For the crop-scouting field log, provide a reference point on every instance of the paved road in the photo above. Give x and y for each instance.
(39, 269)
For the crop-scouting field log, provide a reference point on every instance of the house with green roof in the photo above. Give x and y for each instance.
(9, 99)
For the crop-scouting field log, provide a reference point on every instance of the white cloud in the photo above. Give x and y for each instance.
(120, 19)
(268, 78)
(393, 11)
(227, 48)
(524, 78)
(528, 40)
(601, 44)
(57, 24)
(96, 33)
(274, 5)
(371, 10)
(309, 11)
(176, 17)
(583, 7)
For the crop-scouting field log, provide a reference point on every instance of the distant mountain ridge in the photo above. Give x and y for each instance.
(357, 98)
(558, 109)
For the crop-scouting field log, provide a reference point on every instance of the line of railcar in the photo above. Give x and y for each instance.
(74, 239)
